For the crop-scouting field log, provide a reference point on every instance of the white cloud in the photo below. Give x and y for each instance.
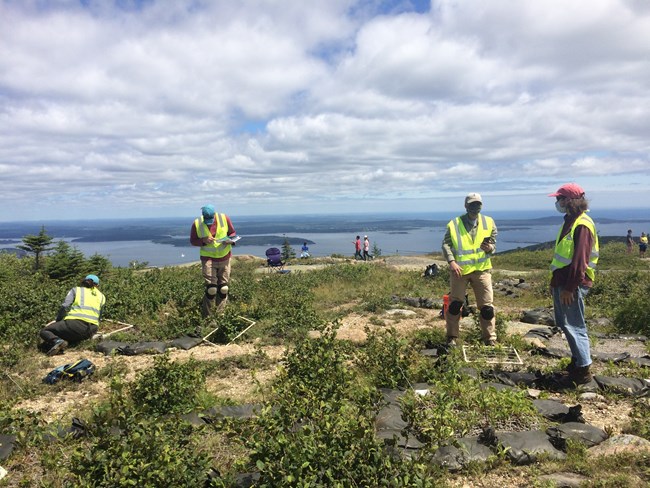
(262, 104)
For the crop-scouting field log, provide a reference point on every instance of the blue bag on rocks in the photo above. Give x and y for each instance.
(76, 371)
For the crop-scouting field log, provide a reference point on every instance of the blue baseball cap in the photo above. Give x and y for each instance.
(92, 278)
(208, 214)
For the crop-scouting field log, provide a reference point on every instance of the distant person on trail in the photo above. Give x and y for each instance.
(357, 248)
(211, 231)
(468, 243)
(643, 244)
(573, 271)
(304, 251)
(78, 317)
(366, 248)
(629, 241)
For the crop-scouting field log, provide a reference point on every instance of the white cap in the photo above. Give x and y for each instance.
(473, 197)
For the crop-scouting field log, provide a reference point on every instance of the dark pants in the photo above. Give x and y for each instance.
(69, 330)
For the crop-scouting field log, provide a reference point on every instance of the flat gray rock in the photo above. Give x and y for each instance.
(620, 443)
(564, 480)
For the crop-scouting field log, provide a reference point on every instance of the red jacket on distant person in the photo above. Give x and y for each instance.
(197, 241)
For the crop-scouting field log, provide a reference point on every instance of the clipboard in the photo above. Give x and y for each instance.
(229, 239)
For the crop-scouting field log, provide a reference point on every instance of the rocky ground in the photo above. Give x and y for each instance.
(241, 385)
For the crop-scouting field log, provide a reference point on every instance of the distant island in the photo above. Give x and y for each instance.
(542, 246)
(244, 241)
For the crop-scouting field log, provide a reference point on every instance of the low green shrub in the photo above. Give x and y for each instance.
(168, 387)
(640, 420)
(523, 260)
(126, 447)
(317, 429)
(456, 406)
(622, 296)
(376, 301)
(386, 358)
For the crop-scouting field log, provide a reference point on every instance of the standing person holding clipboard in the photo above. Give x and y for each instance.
(215, 235)
(469, 242)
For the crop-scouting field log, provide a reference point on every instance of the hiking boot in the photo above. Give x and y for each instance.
(580, 376)
(490, 343)
(574, 378)
(451, 342)
(57, 348)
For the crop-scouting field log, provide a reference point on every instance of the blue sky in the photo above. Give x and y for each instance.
(136, 108)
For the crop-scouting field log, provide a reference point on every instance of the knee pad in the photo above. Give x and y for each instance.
(223, 291)
(487, 312)
(454, 307)
(211, 292)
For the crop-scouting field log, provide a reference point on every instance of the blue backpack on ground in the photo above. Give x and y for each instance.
(74, 371)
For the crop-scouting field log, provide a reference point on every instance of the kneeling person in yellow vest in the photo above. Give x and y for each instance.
(78, 317)
(469, 241)
(210, 232)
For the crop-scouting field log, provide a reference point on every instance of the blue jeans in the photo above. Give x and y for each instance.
(571, 319)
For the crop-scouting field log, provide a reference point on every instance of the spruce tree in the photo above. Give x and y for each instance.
(98, 264)
(37, 245)
(287, 250)
(65, 262)
(376, 251)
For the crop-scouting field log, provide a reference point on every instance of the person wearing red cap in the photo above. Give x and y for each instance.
(212, 232)
(573, 272)
(469, 242)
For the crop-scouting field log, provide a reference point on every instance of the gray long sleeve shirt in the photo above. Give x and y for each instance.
(447, 246)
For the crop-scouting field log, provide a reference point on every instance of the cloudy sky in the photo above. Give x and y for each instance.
(130, 108)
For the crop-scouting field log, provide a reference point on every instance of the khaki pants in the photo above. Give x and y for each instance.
(215, 273)
(481, 282)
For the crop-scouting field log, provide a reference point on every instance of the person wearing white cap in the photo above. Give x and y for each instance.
(78, 317)
(212, 232)
(573, 272)
(366, 248)
(469, 241)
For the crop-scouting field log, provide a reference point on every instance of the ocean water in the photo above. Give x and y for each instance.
(413, 242)
(513, 233)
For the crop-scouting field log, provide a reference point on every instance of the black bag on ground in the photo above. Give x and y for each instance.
(108, 346)
(186, 342)
(525, 447)
(589, 435)
(635, 387)
(431, 271)
(558, 411)
(76, 371)
(461, 452)
(7, 443)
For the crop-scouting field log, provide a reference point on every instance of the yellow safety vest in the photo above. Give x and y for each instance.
(565, 247)
(468, 253)
(215, 249)
(87, 305)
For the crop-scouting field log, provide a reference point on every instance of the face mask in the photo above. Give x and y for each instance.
(559, 207)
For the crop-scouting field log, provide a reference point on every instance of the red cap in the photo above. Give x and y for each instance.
(570, 190)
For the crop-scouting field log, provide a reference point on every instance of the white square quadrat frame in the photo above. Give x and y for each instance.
(249, 321)
(492, 355)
